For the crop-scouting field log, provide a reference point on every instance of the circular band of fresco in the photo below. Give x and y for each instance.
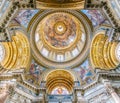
(60, 37)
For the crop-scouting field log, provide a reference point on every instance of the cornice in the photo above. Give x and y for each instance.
(21, 81)
(100, 76)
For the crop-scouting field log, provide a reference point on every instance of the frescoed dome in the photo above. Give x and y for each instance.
(60, 37)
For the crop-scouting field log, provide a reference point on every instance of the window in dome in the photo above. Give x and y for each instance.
(60, 58)
(45, 52)
(37, 37)
(75, 52)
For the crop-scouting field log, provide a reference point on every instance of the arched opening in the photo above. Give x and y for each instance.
(102, 52)
(15, 54)
(59, 82)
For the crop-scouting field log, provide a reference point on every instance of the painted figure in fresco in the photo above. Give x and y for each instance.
(35, 73)
(60, 91)
(25, 16)
(85, 72)
(59, 38)
(95, 16)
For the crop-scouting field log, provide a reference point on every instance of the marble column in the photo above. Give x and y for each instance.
(109, 88)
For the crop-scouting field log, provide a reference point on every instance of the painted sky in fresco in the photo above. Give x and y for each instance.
(85, 72)
(95, 16)
(24, 17)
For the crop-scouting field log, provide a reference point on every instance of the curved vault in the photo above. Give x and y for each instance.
(102, 52)
(59, 78)
(17, 52)
(58, 4)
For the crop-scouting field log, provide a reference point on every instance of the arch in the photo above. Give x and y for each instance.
(52, 70)
(102, 52)
(59, 78)
(18, 52)
(64, 4)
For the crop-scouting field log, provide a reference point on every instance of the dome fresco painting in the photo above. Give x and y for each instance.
(59, 51)
(51, 45)
(60, 30)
